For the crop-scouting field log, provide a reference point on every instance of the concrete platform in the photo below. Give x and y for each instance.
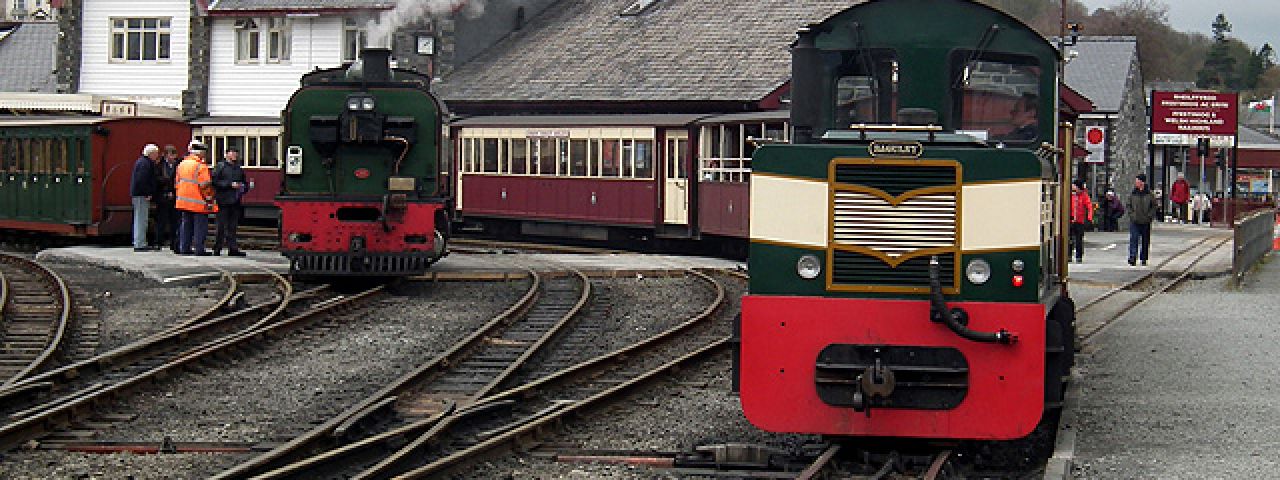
(1177, 388)
(165, 267)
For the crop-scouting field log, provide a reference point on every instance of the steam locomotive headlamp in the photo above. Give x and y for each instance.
(1018, 266)
(978, 271)
(808, 267)
(360, 103)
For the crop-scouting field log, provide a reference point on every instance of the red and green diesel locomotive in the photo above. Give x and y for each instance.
(365, 189)
(907, 256)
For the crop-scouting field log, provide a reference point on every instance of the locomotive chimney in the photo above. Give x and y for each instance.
(807, 89)
(376, 64)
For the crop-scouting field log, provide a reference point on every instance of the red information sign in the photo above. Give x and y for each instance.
(1178, 118)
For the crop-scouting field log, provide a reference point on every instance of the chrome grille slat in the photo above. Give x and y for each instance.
(866, 220)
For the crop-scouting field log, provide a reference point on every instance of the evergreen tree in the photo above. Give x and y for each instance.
(1219, 69)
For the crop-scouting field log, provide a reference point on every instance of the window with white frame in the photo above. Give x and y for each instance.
(727, 148)
(140, 39)
(256, 150)
(278, 40)
(623, 157)
(354, 37)
(248, 41)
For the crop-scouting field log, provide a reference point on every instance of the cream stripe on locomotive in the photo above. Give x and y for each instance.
(1001, 215)
(788, 210)
(793, 211)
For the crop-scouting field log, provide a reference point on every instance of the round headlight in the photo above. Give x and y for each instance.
(978, 271)
(808, 267)
(367, 103)
(353, 104)
(1018, 266)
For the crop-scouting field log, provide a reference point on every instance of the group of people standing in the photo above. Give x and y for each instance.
(185, 193)
(1142, 206)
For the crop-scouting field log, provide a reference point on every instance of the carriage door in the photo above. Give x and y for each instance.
(676, 202)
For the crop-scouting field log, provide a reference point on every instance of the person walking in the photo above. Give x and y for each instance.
(1180, 195)
(194, 198)
(166, 216)
(1142, 210)
(1113, 209)
(229, 185)
(142, 186)
(1081, 212)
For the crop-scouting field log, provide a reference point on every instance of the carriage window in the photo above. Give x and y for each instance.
(1001, 97)
(609, 156)
(867, 88)
(644, 158)
(546, 156)
(269, 156)
(578, 156)
(519, 156)
(490, 152)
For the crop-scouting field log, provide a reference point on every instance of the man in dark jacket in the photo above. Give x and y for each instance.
(142, 186)
(1142, 210)
(166, 214)
(228, 187)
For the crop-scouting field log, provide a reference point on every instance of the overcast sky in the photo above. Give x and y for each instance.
(1253, 21)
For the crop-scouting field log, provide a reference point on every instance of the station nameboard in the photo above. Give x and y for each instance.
(1179, 118)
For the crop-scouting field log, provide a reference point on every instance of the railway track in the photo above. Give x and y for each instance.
(335, 449)
(1164, 277)
(52, 406)
(38, 311)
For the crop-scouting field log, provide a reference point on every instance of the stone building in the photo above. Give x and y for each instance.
(1108, 71)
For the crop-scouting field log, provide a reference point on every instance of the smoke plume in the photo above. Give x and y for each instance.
(407, 11)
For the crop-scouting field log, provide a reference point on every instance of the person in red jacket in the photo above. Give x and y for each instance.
(1180, 195)
(1081, 212)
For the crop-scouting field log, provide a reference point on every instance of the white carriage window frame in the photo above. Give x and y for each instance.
(578, 156)
(257, 151)
(129, 39)
(725, 152)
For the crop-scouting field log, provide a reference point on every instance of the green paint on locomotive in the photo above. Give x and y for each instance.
(928, 54)
(422, 161)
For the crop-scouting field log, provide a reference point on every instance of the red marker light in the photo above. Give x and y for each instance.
(1017, 280)
(362, 173)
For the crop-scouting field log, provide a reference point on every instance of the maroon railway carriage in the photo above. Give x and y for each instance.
(610, 177)
(70, 175)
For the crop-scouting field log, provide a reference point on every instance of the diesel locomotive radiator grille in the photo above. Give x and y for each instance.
(888, 218)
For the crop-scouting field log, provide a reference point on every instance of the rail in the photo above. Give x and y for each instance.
(58, 327)
(1253, 239)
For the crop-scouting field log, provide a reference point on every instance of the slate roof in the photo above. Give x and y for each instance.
(27, 56)
(1101, 71)
(676, 50)
(298, 5)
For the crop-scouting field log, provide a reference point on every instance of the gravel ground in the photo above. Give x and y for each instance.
(133, 307)
(695, 407)
(629, 318)
(296, 381)
(1178, 388)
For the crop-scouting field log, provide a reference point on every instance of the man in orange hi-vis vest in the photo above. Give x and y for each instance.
(193, 197)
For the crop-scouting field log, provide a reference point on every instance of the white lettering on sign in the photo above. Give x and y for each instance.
(546, 134)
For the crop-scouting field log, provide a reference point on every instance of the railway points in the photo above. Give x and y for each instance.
(165, 267)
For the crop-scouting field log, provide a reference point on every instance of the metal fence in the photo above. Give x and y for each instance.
(1253, 240)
